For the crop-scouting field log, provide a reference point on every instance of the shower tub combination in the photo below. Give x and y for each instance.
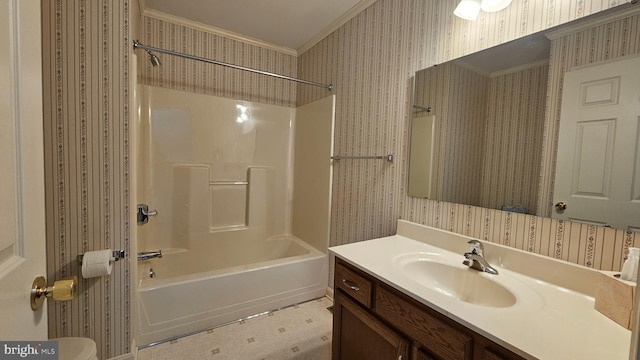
(222, 191)
(183, 299)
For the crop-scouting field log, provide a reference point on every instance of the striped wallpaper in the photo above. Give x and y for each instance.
(479, 149)
(465, 122)
(370, 60)
(511, 166)
(86, 46)
(458, 99)
(604, 42)
(592, 246)
(195, 76)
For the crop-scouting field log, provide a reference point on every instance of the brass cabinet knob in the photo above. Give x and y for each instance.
(61, 290)
(561, 205)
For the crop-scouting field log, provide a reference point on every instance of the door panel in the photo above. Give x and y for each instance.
(593, 158)
(22, 239)
(360, 336)
(598, 149)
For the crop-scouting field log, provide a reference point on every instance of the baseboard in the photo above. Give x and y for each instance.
(330, 293)
(128, 356)
(133, 355)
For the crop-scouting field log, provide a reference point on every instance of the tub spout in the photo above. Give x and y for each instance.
(146, 255)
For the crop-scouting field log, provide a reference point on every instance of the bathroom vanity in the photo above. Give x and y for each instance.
(409, 296)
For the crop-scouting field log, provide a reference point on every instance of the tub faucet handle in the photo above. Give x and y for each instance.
(144, 213)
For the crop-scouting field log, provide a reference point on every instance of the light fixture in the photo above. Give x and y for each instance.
(494, 5)
(467, 9)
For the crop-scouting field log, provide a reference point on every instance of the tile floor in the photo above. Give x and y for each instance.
(301, 332)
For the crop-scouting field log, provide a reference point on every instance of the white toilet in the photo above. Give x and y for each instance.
(76, 348)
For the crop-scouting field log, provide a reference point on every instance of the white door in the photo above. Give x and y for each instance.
(598, 167)
(22, 231)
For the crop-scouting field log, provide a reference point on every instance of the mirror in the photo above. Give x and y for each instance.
(481, 156)
(488, 122)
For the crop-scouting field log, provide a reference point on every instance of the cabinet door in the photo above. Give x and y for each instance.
(357, 335)
(422, 354)
(436, 334)
(488, 350)
(488, 354)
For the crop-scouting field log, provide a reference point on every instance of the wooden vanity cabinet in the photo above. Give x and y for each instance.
(358, 335)
(373, 321)
(488, 350)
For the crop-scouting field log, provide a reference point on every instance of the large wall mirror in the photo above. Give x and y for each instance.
(478, 122)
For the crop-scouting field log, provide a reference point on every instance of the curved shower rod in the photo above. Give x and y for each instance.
(155, 61)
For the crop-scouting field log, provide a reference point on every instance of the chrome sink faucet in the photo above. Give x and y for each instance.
(475, 258)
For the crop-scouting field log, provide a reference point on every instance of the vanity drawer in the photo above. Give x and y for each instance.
(353, 282)
(428, 329)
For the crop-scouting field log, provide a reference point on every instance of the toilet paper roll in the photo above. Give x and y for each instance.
(96, 263)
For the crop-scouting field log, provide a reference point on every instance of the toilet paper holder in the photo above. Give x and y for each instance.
(117, 255)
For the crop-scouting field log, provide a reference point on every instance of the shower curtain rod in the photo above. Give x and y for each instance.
(137, 44)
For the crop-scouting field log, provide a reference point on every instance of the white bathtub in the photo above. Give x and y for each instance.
(196, 290)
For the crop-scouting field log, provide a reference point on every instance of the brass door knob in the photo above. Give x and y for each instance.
(61, 290)
(561, 205)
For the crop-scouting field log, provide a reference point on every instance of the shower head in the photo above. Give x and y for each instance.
(155, 60)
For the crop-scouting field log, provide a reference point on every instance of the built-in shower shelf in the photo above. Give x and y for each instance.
(229, 182)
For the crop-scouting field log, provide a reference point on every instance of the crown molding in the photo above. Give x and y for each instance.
(613, 14)
(502, 72)
(469, 67)
(336, 24)
(608, 61)
(159, 15)
(520, 68)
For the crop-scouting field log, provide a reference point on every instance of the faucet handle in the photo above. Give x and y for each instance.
(476, 247)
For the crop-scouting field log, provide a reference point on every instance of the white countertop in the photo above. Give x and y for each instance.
(547, 321)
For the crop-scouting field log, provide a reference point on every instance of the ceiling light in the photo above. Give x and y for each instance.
(468, 9)
(494, 5)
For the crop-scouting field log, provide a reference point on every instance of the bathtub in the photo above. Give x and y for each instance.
(194, 290)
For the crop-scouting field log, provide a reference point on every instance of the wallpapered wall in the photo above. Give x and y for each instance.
(483, 157)
(604, 42)
(512, 155)
(458, 101)
(195, 76)
(370, 61)
(86, 47)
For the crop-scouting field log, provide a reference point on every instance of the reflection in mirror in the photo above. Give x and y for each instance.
(597, 138)
(489, 119)
(497, 114)
(421, 157)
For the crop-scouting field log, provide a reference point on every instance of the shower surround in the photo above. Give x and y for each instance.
(219, 173)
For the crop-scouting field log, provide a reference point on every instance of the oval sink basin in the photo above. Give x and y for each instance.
(459, 282)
